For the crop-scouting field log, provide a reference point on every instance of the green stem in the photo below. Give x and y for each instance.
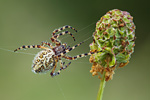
(101, 88)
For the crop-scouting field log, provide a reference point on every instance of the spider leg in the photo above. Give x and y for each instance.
(63, 33)
(66, 66)
(55, 65)
(78, 56)
(64, 44)
(30, 46)
(69, 49)
(54, 38)
(61, 63)
(46, 43)
(62, 28)
(58, 72)
(55, 41)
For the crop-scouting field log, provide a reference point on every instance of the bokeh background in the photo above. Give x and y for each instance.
(25, 22)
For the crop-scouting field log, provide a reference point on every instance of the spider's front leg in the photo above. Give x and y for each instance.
(54, 38)
(63, 33)
(68, 49)
(78, 56)
(46, 43)
(75, 57)
(30, 46)
(62, 28)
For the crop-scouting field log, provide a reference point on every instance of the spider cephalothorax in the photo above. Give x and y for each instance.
(47, 59)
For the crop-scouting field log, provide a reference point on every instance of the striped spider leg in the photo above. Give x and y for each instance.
(30, 46)
(54, 37)
(63, 55)
(47, 59)
(62, 66)
(60, 55)
(62, 28)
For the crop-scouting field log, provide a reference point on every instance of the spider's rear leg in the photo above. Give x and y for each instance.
(62, 28)
(58, 72)
(61, 63)
(55, 65)
(30, 46)
(66, 66)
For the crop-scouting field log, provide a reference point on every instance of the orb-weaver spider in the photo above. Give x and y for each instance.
(47, 59)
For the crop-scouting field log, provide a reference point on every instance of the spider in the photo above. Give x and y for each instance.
(48, 58)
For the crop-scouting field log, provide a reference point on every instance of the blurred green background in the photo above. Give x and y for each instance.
(27, 22)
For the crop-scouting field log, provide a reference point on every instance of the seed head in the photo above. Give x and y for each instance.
(115, 36)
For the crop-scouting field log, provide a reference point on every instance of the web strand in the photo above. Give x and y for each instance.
(16, 52)
(60, 88)
(81, 29)
(85, 35)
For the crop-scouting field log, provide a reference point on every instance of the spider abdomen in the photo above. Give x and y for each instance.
(43, 61)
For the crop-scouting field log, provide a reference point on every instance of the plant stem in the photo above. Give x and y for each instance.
(101, 88)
